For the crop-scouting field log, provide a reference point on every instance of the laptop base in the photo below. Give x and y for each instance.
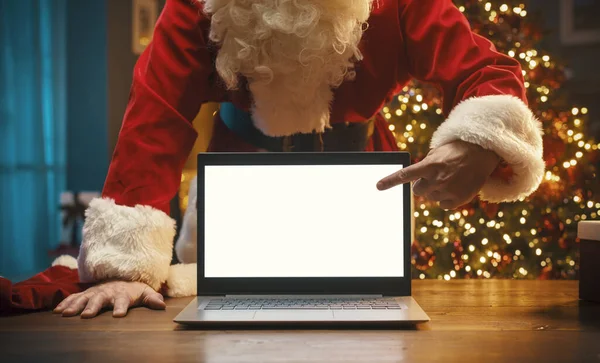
(410, 314)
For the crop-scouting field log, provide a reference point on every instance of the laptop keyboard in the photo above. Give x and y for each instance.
(310, 304)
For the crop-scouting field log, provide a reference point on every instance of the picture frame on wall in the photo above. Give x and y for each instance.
(579, 23)
(145, 14)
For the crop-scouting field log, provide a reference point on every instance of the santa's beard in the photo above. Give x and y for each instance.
(293, 53)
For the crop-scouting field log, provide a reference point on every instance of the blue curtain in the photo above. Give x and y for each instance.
(32, 132)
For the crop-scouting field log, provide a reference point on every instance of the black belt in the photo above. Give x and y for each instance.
(348, 136)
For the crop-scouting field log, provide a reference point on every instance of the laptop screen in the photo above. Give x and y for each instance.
(280, 221)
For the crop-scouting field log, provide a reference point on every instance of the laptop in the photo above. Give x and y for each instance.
(302, 238)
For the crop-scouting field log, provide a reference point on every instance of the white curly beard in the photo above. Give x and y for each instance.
(293, 53)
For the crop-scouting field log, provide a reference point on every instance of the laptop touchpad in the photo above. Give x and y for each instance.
(293, 315)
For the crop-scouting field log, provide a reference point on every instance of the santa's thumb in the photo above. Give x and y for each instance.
(153, 300)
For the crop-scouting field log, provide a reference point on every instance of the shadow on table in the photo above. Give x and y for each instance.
(585, 313)
(302, 326)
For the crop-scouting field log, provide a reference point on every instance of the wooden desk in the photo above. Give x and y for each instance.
(472, 321)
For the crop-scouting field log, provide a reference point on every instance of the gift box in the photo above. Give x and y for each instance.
(589, 267)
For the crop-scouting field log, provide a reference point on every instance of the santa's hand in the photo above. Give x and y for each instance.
(451, 174)
(119, 295)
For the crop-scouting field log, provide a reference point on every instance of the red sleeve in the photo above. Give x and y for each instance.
(444, 51)
(483, 92)
(171, 80)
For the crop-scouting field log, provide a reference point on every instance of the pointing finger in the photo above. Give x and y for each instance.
(404, 175)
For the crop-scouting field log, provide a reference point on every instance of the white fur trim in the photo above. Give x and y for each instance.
(186, 245)
(126, 243)
(504, 124)
(67, 261)
(182, 280)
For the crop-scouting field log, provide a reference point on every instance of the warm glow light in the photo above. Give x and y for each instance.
(504, 8)
(575, 111)
(482, 259)
(419, 98)
(511, 53)
(471, 248)
(452, 273)
(488, 6)
(584, 110)
(447, 277)
(484, 241)
(408, 127)
(538, 251)
(391, 127)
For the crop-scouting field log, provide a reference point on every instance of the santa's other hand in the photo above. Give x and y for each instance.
(118, 295)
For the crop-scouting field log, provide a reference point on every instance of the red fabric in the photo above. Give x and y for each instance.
(429, 40)
(42, 292)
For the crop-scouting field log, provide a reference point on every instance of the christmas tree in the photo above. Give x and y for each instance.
(532, 238)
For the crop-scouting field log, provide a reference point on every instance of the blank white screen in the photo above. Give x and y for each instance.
(302, 221)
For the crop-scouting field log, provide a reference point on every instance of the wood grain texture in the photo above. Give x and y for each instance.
(478, 321)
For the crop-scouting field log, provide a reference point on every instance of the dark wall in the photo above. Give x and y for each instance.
(583, 85)
(121, 61)
(87, 160)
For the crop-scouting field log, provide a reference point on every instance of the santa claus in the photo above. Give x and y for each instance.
(295, 75)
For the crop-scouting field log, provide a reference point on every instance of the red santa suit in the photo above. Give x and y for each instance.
(128, 233)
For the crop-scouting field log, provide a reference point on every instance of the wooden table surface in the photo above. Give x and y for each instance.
(472, 321)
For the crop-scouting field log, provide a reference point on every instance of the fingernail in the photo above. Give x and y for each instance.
(379, 185)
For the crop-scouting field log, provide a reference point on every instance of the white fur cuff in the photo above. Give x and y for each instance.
(126, 243)
(66, 261)
(182, 280)
(505, 125)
